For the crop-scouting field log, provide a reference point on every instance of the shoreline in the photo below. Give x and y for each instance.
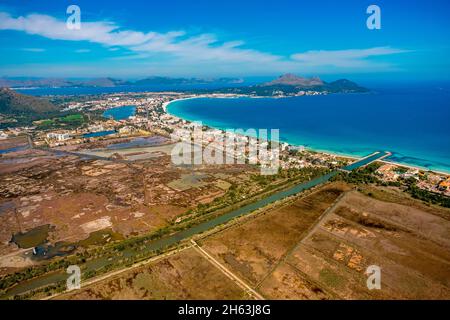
(216, 96)
(327, 152)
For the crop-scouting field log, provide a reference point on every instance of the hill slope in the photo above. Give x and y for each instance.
(290, 83)
(12, 102)
(290, 79)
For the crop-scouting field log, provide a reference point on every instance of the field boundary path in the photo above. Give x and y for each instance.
(186, 234)
(227, 272)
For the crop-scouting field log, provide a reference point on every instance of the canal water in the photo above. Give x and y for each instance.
(14, 149)
(99, 134)
(98, 263)
(139, 142)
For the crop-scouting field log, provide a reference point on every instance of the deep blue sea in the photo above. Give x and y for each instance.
(127, 88)
(412, 123)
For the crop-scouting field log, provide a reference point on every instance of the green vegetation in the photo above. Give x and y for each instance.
(100, 237)
(38, 270)
(26, 110)
(47, 123)
(72, 118)
(291, 87)
(188, 181)
(330, 278)
(68, 121)
(33, 237)
(431, 197)
(46, 291)
(23, 108)
(14, 103)
(256, 186)
(401, 170)
(113, 251)
(364, 175)
(367, 175)
(136, 247)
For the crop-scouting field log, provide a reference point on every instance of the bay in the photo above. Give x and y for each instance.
(413, 123)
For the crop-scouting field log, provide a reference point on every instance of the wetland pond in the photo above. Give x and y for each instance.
(32, 238)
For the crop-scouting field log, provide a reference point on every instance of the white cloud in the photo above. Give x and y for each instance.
(98, 32)
(82, 50)
(179, 50)
(204, 46)
(34, 49)
(344, 58)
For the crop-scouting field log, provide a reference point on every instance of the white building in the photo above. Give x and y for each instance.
(96, 128)
(58, 136)
(126, 130)
(297, 148)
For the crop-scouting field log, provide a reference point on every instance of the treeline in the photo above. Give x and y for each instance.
(265, 183)
(66, 120)
(364, 175)
(429, 196)
(34, 271)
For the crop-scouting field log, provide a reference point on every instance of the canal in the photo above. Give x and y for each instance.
(95, 264)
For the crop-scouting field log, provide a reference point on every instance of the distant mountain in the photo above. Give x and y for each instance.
(34, 82)
(292, 84)
(287, 84)
(108, 82)
(56, 82)
(290, 79)
(12, 102)
(344, 85)
(185, 81)
(103, 82)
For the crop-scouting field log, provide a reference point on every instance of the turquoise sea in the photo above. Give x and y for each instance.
(412, 123)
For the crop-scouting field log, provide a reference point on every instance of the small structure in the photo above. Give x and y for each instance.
(58, 136)
(387, 172)
(444, 185)
(297, 148)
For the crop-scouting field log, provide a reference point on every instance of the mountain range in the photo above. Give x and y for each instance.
(287, 84)
(290, 84)
(108, 82)
(290, 79)
(314, 83)
(12, 102)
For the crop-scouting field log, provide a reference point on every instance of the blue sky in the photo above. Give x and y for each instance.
(132, 39)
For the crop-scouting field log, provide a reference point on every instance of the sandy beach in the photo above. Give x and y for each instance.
(346, 156)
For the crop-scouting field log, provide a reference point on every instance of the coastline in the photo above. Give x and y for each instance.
(214, 95)
(327, 152)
